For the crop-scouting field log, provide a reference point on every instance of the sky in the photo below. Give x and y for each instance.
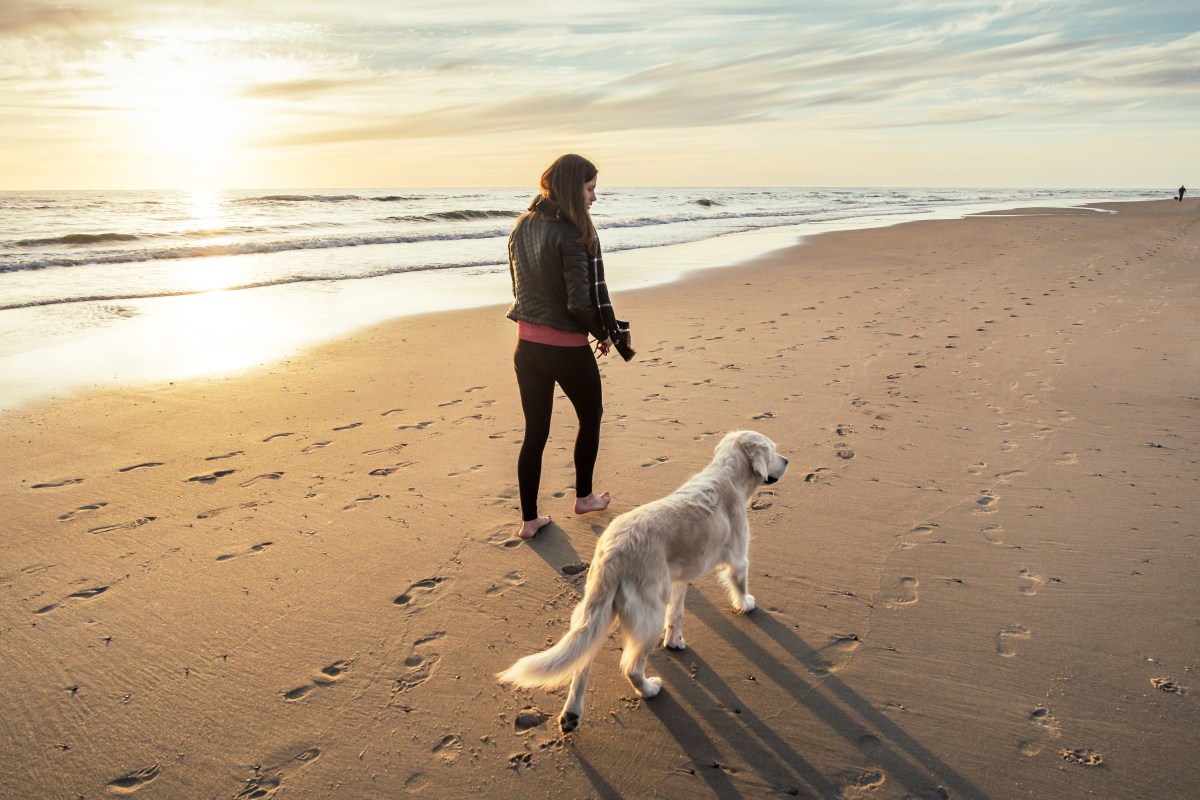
(147, 94)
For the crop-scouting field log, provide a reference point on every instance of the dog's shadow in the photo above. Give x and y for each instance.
(700, 690)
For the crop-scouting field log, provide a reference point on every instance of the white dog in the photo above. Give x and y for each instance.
(643, 564)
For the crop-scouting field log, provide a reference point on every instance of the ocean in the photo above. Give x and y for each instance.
(99, 287)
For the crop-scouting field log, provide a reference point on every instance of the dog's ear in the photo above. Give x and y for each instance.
(756, 452)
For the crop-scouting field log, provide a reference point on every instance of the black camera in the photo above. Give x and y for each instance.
(622, 340)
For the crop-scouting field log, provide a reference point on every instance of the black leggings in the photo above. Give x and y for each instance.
(539, 367)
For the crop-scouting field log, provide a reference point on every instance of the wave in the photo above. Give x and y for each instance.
(237, 249)
(455, 216)
(77, 238)
(328, 198)
(281, 281)
(299, 198)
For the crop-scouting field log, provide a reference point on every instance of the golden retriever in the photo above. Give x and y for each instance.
(641, 569)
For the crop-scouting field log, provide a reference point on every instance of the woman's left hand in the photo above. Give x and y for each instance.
(602, 347)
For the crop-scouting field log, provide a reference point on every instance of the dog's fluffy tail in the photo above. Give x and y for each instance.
(590, 623)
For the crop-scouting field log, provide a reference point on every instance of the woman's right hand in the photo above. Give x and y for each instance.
(603, 347)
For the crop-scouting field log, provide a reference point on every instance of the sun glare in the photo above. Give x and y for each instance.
(186, 113)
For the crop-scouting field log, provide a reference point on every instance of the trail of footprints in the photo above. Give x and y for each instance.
(328, 676)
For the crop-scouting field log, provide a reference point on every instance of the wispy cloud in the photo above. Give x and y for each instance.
(327, 74)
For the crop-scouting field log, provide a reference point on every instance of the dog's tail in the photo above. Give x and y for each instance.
(590, 623)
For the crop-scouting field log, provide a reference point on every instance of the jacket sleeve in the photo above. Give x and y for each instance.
(580, 300)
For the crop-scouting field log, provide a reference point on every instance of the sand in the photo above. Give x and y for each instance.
(977, 580)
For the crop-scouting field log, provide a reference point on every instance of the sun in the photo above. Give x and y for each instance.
(184, 110)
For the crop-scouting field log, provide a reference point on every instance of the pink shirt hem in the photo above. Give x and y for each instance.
(544, 334)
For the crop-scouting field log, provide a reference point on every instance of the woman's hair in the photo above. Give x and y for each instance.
(562, 184)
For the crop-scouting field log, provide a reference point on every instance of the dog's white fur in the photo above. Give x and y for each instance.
(643, 563)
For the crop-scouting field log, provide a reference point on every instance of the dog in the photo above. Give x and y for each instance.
(643, 563)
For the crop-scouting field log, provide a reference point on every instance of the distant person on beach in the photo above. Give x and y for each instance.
(559, 298)
(1182, 189)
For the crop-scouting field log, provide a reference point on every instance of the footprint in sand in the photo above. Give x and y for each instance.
(57, 484)
(351, 426)
(267, 476)
(1084, 756)
(860, 783)
(904, 593)
(384, 472)
(213, 512)
(86, 594)
(130, 783)
(505, 537)
(1006, 636)
(1006, 477)
(1067, 459)
(834, 656)
(328, 676)
(1043, 719)
(395, 448)
(225, 455)
(762, 501)
(315, 446)
(420, 666)
(298, 693)
(450, 748)
(986, 504)
(418, 589)
(510, 580)
(258, 548)
(911, 539)
(976, 468)
(415, 426)
(135, 523)
(529, 718)
(70, 515)
(269, 780)
(654, 462)
(145, 465)
(277, 436)
(210, 477)
(993, 533)
(358, 501)
(1167, 685)
(818, 475)
(1031, 581)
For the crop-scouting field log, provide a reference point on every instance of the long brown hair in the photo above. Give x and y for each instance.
(562, 184)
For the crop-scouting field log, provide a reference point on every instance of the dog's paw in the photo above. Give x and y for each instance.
(568, 721)
(746, 605)
(651, 687)
(673, 640)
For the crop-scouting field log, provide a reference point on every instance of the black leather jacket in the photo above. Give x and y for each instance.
(550, 279)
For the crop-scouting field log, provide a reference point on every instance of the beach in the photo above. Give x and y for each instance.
(977, 579)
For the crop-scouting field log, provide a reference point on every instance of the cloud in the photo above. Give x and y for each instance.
(21, 19)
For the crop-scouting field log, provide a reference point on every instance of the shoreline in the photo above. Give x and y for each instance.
(976, 580)
(162, 339)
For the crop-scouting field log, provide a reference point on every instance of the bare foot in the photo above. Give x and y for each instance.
(592, 502)
(530, 527)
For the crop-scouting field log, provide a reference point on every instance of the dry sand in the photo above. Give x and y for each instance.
(978, 579)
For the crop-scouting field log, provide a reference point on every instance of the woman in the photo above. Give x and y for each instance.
(559, 299)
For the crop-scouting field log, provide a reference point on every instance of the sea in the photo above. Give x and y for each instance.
(104, 287)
